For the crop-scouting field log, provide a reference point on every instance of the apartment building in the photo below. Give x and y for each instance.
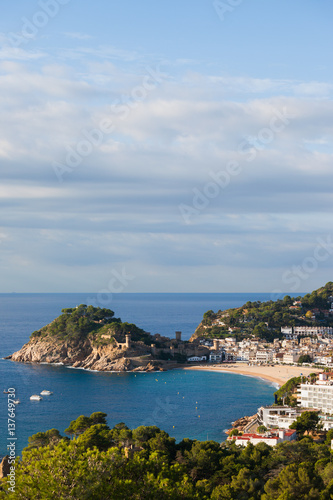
(278, 416)
(318, 396)
(290, 357)
(313, 330)
(264, 356)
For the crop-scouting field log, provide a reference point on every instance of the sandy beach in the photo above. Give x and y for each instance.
(278, 374)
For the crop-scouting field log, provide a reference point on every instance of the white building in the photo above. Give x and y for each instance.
(218, 322)
(264, 356)
(313, 330)
(271, 438)
(323, 360)
(290, 357)
(292, 332)
(215, 357)
(197, 358)
(327, 422)
(243, 355)
(318, 396)
(278, 416)
(230, 340)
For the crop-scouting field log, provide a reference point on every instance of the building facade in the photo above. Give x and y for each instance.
(318, 396)
(271, 438)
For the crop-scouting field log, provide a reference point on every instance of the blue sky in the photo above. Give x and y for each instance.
(166, 147)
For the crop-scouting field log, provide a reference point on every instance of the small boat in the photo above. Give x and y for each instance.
(6, 392)
(16, 401)
(35, 397)
(46, 393)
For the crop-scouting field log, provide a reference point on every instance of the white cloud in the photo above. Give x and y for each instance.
(8, 53)
(33, 192)
(120, 205)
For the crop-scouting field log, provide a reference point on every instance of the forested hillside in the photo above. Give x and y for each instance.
(265, 319)
(94, 462)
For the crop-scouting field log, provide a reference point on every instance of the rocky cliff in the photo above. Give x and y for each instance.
(91, 338)
(84, 354)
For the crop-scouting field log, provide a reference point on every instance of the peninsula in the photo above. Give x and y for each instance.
(285, 332)
(92, 338)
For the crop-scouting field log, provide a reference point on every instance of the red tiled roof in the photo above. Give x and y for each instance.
(274, 435)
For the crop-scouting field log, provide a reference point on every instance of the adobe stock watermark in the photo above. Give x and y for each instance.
(93, 138)
(297, 274)
(162, 412)
(118, 282)
(49, 9)
(223, 8)
(278, 122)
(221, 179)
(211, 190)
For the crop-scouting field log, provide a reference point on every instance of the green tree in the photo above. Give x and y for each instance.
(286, 390)
(329, 437)
(242, 487)
(307, 421)
(50, 437)
(78, 426)
(98, 418)
(295, 482)
(305, 358)
(261, 429)
(98, 435)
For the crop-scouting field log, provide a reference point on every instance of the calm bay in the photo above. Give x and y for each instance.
(197, 405)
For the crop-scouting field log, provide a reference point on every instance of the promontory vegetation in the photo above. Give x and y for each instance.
(81, 322)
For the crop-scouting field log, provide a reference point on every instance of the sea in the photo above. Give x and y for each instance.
(185, 403)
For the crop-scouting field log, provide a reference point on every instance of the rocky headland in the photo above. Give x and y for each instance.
(84, 354)
(91, 338)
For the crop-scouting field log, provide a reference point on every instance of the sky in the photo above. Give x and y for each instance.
(166, 146)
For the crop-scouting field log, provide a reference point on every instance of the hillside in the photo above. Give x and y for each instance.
(92, 338)
(265, 319)
(145, 463)
(93, 323)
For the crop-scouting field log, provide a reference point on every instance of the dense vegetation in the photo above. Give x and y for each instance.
(98, 464)
(84, 321)
(286, 394)
(265, 319)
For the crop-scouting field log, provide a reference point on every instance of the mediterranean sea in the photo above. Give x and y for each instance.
(194, 404)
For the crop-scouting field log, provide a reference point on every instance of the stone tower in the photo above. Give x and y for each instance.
(128, 340)
(178, 336)
(216, 344)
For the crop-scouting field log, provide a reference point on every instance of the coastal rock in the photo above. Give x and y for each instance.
(83, 355)
(241, 423)
(51, 351)
(91, 338)
(4, 467)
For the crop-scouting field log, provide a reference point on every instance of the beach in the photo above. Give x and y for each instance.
(278, 374)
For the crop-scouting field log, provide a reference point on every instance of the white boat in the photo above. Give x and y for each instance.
(16, 401)
(46, 393)
(35, 397)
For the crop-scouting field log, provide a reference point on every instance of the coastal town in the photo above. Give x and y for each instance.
(289, 331)
(312, 344)
(299, 358)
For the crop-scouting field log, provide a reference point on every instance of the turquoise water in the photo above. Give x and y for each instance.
(184, 403)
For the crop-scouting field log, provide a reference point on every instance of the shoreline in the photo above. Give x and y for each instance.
(278, 374)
